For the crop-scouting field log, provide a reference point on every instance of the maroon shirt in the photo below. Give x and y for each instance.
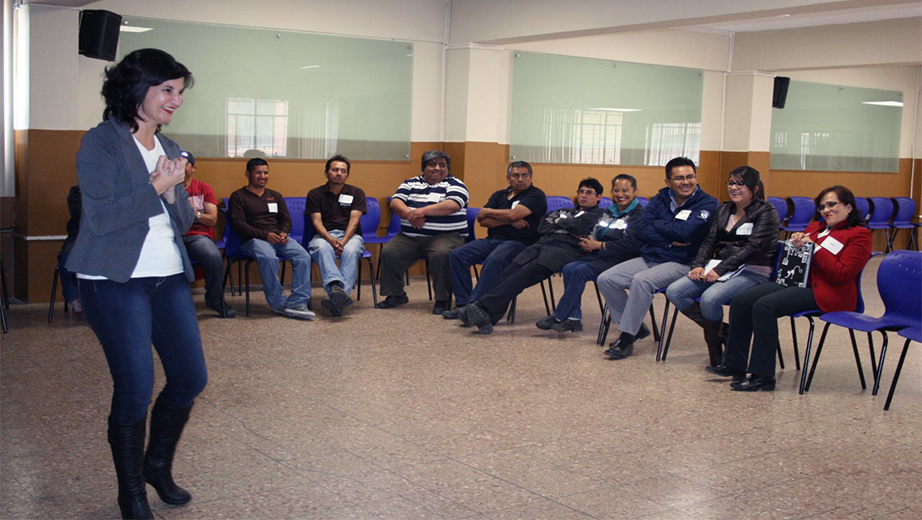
(251, 216)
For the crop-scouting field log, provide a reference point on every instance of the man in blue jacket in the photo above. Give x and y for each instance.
(671, 228)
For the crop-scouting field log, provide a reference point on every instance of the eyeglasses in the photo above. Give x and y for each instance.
(586, 192)
(827, 205)
(683, 179)
(735, 184)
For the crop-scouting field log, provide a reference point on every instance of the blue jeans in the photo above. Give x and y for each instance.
(714, 296)
(267, 256)
(68, 281)
(127, 318)
(203, 251)
(575, 276)
(494, 253)
(323, 255)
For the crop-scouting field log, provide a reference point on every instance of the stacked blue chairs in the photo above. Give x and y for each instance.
(863, 207)
(781, 206)
(800, 218)
(643, 201)
(308, 233)
(902, 219)
(606, 203)
(911, 334)
(899, 282)
(556, 203)
(881, 211)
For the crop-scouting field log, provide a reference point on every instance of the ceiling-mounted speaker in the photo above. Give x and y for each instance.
(780, 93)
(99, 34)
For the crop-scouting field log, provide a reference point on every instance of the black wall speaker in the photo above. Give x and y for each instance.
(780, 94)
(99, 34)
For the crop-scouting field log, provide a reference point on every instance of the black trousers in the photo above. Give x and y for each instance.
(513, 280)
(754, 317)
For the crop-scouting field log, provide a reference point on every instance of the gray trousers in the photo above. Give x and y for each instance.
(643, 280)
(402, 251)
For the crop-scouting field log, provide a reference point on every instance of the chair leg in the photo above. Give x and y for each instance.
(604, 325)
(247, 289)
(873, 357)
(653, 327)
(3, 290)
(598, 295)
(428, 279)
(510, 317)
(880, 364)
(664, 347)
(358, 282)
(851, 334)
(54, 292)
(805, 383)
(3, 318)
(896, 375)
(794, 337)
(662, 333)
(547, 306)
(371, 276)
(550, 290)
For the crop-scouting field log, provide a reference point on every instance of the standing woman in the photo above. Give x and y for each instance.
(741, 246)
(842, 248)
(134, 273)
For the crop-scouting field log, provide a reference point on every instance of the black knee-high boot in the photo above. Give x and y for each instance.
(714, 338)
(166, 425)
(127, 444)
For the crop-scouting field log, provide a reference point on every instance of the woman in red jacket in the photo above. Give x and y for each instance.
(842, 248)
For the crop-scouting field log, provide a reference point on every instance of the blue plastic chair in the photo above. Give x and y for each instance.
(781, 206)
(556, 203)
(899, 282)
(606, 203)
(863, 207)
(643, 201)
(911, 334)
(881, 211)
(804, 209)
(233, 254)
(902, 219)
(308, 233)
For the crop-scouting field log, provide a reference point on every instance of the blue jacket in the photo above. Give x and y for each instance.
(659, 226)
(118, 200)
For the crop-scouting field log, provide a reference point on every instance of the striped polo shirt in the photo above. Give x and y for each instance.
(417, 193)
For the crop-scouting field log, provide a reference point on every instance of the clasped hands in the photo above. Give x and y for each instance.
(699, 275)
(799, 239)
(169, 173)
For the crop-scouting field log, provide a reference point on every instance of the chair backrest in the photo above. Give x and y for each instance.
(781, 206)
(606, 203)
(905, 210)
(231, 238)
(777, 258)
(471, 221)
(556, 203)
(371, 219)
(296, 208)
(899, 282)
(881, 211)
(803, 211)
(863, 207)
(394, 227)
(643, 201)
(307, 229)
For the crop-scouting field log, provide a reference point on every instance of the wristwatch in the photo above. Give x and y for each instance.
(198, 214)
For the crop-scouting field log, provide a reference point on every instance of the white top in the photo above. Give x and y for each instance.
(159, 255)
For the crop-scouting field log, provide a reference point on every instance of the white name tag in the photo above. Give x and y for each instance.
(578, 213)
(712, 263)
(620, 224)
(345, 200)
(745, 229)
(435, 197)
(273, 207)
(683, 215)
(514, 204)
(832, 245)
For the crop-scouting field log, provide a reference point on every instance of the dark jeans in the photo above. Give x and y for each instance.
(513, 280)
(203, 251)
(495, 255)
(68, 281)
(754, 317)
(127, 318)
(575, 276)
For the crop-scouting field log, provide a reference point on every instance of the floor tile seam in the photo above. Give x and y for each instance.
(584, 513)
(425, 506)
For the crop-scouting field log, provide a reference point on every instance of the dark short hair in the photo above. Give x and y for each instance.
(752, 179)
(432, 155)
(337, 158)
(677, 162)
(519, 164)
(624, 177)
(127, 83)
(254, 162)
(846, 196)
(590, 182)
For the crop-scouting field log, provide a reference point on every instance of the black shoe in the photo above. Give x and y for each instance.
(330, 305)
(754, 384)
(454, 314)
(441, 306)
(642, 333)
(724, 371)
(480, 318)
(621, 348)
(166, 425)
(127, 444)
(568, 326)
(546, 323)
(464, 316)
(227, 312)
(340, 298)
(393, 301)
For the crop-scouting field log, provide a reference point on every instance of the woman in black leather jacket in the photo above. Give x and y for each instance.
(736, 255)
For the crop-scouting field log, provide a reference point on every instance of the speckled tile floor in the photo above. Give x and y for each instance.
(400, 414)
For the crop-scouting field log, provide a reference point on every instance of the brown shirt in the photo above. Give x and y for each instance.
(253, 217)
(335, 209)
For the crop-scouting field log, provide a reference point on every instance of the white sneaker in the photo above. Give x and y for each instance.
(298, 310)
